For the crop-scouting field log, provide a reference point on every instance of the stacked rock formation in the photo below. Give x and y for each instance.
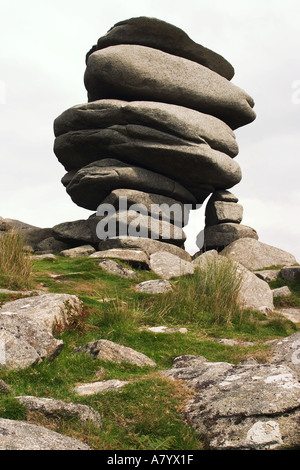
(223, 216)
(158, 129)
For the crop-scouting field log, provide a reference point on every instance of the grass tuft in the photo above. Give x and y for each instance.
(15, 262)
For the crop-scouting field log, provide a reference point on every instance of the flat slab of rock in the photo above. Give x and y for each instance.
(44, 256)
(78, 252)
(152, 75)
(178, 121)
(268, 275)
(156, 286)
(112, 267)
(100, 387)
(165, 145)
(90, 185)
(255, 255)
(136, 258)
(19, 435)
(169, 266)
(109, 351)
(146, 244)
(164, 329)
(244, 406)
(60, 409)
(158, 34)
(165, 208)
(136, 224)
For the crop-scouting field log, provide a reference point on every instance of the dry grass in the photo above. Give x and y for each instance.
(15, 263)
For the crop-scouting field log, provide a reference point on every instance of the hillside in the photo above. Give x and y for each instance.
(145, 409)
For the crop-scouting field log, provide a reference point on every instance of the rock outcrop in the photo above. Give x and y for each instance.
(28, 326)
(158, 128)
(244, 406)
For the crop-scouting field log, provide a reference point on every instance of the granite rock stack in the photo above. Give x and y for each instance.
(158, 129)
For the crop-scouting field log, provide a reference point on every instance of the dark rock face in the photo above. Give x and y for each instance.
(158, 34)
(159, 120)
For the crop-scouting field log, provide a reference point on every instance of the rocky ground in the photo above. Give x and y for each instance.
(248, 405)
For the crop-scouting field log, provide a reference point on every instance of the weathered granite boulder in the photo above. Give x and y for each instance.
(51, 245)
(169, 266)
(145, 244)
(94, 182)
(100, 387)
(59, 409)
(268, 275)
(78, 252)
(219, 236)
(24, 344)
(203, 260)
(27, 327)
(286, 351)
(245, 406)
(153, 75)
(156, 286)
(281, 292)
(137, 258)
(176, 121)
(34, 236)
(220, 212)
(254, 293)
(135, 224)
(156, 205)
(254, 254)
(222, 195)
(290, 273)
(19, 435)
(109, 351)
(112, 267)
(158, 34)
(76, 232)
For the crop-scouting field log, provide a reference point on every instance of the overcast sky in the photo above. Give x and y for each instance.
(44, 43)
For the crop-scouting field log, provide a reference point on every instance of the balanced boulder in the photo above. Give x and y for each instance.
(134, 72)
(158, 34)
(159, 121)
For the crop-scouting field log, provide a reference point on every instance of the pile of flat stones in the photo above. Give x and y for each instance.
(158, 129)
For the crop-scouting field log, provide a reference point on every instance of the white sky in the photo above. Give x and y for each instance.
(44, 43)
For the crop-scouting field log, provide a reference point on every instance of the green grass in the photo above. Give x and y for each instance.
(145, 414)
